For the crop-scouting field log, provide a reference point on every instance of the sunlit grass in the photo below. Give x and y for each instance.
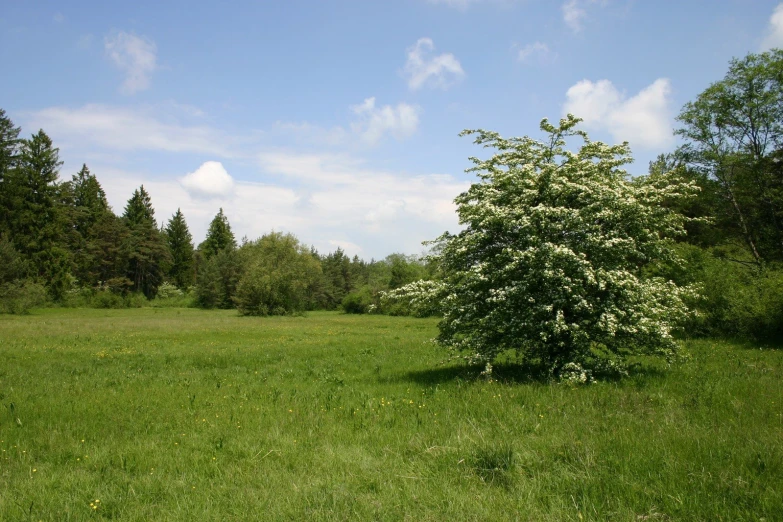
(180, 414)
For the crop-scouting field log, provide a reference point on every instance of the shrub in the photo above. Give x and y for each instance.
(417, 299)
(107, 299)
(358, 301)
(18, 297)
(739, 301)
(168, 290)
(548, 264)
(277, 276)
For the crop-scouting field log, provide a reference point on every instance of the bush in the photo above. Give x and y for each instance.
(168, 290)
(107, 299)
(18, 297)
(737, 298)
(548, 264)
(169, 296)
(417, 299)
(358, 301)
(740, 301)
(278, 273)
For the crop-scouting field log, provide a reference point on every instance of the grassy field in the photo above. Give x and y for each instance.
(180, 414)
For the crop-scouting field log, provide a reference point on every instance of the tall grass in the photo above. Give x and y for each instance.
(183, 414)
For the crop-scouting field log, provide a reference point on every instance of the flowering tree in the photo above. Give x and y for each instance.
(549, 264)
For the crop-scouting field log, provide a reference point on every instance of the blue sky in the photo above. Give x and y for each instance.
(338, 120)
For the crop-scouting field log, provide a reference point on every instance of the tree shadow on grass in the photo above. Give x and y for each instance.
(523, 373)
(503, 372)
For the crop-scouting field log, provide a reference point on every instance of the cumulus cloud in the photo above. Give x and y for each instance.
(644, 119)
(348, 202)
(423, 68)
(345, 195)
(136, 56)
(209, 180)
(535, 51)
(374, 122)
(774, 33)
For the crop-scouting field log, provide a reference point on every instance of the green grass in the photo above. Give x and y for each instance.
(180, 414)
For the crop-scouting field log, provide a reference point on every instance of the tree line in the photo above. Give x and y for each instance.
(61, 242)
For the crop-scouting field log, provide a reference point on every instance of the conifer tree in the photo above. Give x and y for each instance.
(180, 243)
(36, 218)
(88, 207)
(9, 150)
(148, 255)
(219, 237)
(139, 209)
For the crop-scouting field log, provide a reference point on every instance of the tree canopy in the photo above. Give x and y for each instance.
(549, 263)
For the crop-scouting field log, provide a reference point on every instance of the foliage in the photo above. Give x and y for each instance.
(88, 211)
(548, 265)
(9, 150)
(147, 253)
(404, 269)
(180, 244)
(733, 136)
(219, 237)
(279, 270)
(12, 264)
(358, 302)
(21, 295)
(138, 210)
(418, 299)
(36, 222)
(338, 280)
(217, 280)
(737, 300)
(169, 296)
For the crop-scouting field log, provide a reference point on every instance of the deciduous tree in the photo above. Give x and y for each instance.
(549, 262)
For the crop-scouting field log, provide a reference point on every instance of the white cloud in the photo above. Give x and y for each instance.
(209, 180)
(342, 202)
(535, 50)
(422, 68)
(136, 56)
(774, 33)
(374, 122)
(644, 120)
(127, 129)
(575, 12)
(322, 198)
(345, 196)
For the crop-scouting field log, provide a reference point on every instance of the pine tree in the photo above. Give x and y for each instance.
(219, 237)
(139, 209)
(88, 206)
(36, 218)
(148, 255)
(180, 244)
(9, 150)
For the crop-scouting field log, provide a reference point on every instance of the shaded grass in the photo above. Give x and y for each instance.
(181, 414)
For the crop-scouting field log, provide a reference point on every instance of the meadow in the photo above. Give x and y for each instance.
(184, 414)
